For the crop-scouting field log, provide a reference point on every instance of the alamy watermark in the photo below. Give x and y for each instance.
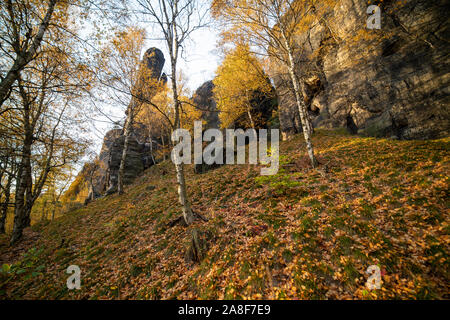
(374, 19)
(74, 281)
(215, 153)
(374, 280)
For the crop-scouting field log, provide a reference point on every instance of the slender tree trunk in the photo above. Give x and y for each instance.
(24, 58)
(53, 211)
(182, 194)
(3, 214)
(151, 150)
(126, 133)
(250, 118)
(23, 194)
(307, 128)
(4, 209)
(151, 144)
(43, 215)
(252, 123)
(163, 147)
(55, 201)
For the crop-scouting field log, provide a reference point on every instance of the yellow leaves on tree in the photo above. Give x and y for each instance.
(239, 76)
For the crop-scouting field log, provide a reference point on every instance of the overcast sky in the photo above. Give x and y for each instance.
(199, 61)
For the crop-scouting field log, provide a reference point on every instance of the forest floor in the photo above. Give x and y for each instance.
(301, 234)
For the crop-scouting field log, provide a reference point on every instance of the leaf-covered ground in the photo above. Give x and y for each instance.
(301, 234)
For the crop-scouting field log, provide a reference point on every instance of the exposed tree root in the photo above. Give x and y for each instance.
(198, 246)
(180, 220)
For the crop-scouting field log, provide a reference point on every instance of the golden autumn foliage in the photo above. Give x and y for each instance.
(238, 77)
(158, 113)
(310, 231)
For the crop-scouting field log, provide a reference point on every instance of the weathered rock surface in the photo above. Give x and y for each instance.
(203, 98)
(155, 62)
(394, 83)
(262, 107)
(139, 156)
(137, 160)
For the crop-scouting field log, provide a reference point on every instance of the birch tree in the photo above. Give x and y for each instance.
(176, 20)
(271, 26)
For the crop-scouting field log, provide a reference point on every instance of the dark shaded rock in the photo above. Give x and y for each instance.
(137, 160)
(397, 86)
(262, 106)
(203, 167)
(155, 62)
(93, 194)
(203, 98)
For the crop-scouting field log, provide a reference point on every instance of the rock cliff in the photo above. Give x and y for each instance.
(392, 82)
(203, 98)
(139, 156)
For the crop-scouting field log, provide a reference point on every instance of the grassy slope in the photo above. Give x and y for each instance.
(300, 234)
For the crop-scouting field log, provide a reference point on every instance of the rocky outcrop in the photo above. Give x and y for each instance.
(139, 154)
(392, 82)
(203, 98)
(262, 106)
(155, 62)
(141, 148)
(105, 178)
(138, 159)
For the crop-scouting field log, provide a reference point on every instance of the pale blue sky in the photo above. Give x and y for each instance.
(198, 63)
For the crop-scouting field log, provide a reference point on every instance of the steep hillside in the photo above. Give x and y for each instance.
(302, 233)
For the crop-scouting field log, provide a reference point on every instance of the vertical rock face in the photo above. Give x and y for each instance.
(137, 160)
(155, 62)
(262, 107)
(392, 82)
(204, 99)
(139, 155)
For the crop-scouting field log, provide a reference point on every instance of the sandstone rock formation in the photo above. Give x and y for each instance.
(139, 156)
(138, 159)
(392, 82)
(203, 98)
(155, 62)
(140, 153)
(262, 107)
